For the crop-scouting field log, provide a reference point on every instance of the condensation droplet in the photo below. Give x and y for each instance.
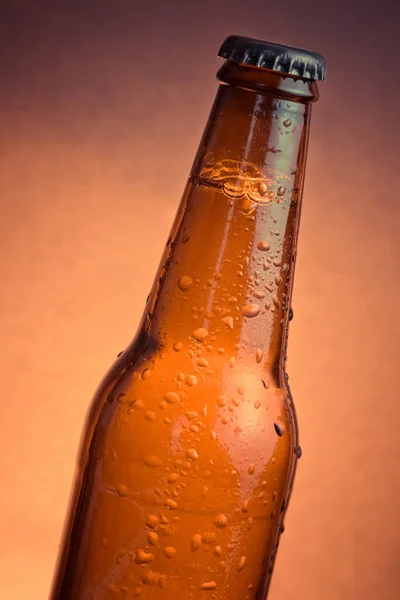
(279, 429)
(196, 542)
(202, 362)
(208, 586)
(191, 414)
(173, 477)
(152, 521)
(262, 188)
(291, 314)
(281, 190)
(152, 461)
(143, 557)
(171, 504)
(228, 322)
(152, 538)
(298, 451)
(259, 295)
(192, 454)
(122, 490)
(185, 282)
(191, 380)
(251, 469)
(276, 302)
(231, 362)
(146, 374)
(259, 355)
(241, 564)
(200, 334)
(217, 551)
(264, 246)
(221, 401)
(185, 236)
(287, 122)
(257, 404)
(171, 397)
(178, 346)
(169, 551)
(150, 415)
(245, 506)
(250, 310)
(221, 521)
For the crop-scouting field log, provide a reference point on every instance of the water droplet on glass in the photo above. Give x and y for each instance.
(281, 190)
(200, 334)
(221, 521)
(196, 542)
(287, 123)
(231, 362)
(178, 346)
(143, 557)
(250, 310)
(191, 414)
(152, 538)
(152, 521)
(122, 490)
(185, 236)
(245, 506)
(171, 504)
(259, 355)
(152, 461)
(171, 397)
(169, 551)
(208, 586)
(259, 295)
(279, 429)
(242, 563)
(228, 322)
(185, 282)
(146, 374)
(291, 315)
(217, 551)
(173, 477)
(257, 404)
(262, 188)
(150, 415)
(263, 246)
(202, 362)
(191, 380)
(192, 454)
(298, 451)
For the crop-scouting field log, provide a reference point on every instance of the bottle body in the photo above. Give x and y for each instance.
(190, 448)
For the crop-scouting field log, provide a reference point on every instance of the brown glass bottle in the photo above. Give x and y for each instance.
(190, 447)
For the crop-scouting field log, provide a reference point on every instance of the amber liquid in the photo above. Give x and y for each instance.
(190, 448)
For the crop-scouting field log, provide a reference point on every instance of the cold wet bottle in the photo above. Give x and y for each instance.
(190, 445)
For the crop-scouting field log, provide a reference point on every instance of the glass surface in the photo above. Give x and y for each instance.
(190, 446)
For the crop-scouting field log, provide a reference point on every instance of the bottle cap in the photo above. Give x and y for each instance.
(296, 62)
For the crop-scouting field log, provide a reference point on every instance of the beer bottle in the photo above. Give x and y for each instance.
(190, 446)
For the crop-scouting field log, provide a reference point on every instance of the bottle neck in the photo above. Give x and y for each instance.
(227, 271)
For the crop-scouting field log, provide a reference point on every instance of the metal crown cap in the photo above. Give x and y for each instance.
(274, 57)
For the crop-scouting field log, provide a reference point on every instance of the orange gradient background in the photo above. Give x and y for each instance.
(102, 105)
